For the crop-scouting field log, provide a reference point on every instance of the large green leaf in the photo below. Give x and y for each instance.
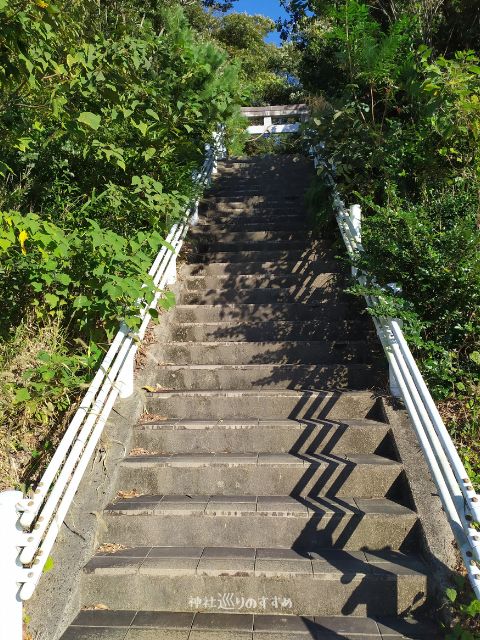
(92, 120)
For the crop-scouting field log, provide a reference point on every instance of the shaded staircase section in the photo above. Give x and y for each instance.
(263, 498)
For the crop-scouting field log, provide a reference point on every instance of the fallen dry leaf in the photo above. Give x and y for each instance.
(156, 389)
(96, 607)
(126, 495)
(153, 417)
(138, 451)
(109, 547)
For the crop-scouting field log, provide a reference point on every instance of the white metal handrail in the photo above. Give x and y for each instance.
(460, 501)
(30, 525)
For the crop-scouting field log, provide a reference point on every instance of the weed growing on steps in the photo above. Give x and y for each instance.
(463, 611)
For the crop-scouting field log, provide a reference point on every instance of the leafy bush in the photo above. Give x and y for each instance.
(103, 117)
(421, 200)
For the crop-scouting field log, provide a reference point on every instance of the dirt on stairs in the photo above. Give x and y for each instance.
(268, 502)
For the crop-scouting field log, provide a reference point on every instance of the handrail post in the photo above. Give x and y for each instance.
(392, 378)
(10, 566)
(127, 374)
(172, 270)
(356, 217)
(355, 214)
(217, 136)
(194, 218)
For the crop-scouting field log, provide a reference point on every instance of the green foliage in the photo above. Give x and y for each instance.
(103, 117)
(100, 131)
(421, 199)
(464, 611)
(273, 144)
(319, 202)
(432, 250)
(267, 71)
(91, 278)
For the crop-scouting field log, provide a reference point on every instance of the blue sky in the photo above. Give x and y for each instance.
(269, 8)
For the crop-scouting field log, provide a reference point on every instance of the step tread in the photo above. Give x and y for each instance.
(287, 280)
(256, 324)
(264, 393)
(268, 234)
(172, 560)
(266, 506)
(300, 267)
(271, 255)
(263, 295)
(290, 424)
(258, 459)
(268, 343)
(249, 625)
(246, 306)
(262, 366)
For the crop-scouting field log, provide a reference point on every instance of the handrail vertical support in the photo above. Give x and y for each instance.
(393, 382)
(216, 142)
(10, 567)
(127, 374)
(194, 218)
(355, 215)
(356, 218)
(172, 270)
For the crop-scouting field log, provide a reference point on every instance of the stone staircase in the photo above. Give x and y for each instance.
(264, 497)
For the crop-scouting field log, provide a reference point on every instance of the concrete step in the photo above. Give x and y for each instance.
(322, 312)
(322, 583)
(235, 210)
(302, 268)
(215, 247)
(261, 177)
(359, 475)
(256, 193)
(162, 625)
(270, 436)
(220, 208)
(278, 256)
(230, 217)
(264, 404)
(238, 353)
(274, 199)
(259, 331)
(236, 237)
(327, 282)
(260, 521)
(246, 189)
(262, 295)
(272, 376)
(239, 223)
(272, 162)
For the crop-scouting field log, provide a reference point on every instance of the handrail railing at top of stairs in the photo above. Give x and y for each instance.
(460, 501)
(30, 525)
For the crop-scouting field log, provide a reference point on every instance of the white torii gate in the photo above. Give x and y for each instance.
(272, 113)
